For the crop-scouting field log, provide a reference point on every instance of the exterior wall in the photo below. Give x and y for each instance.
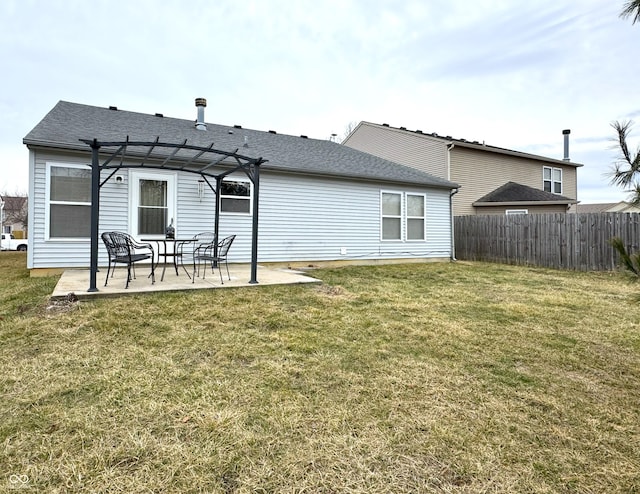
(481, 172)
(407, 148)
(502, 210)
(301, 219)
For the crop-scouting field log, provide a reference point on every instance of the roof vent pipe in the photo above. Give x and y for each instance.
(201, 103)
(566, 133)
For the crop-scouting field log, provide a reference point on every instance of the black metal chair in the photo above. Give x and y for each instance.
(215, 254)
(186, 250)
(123, 249)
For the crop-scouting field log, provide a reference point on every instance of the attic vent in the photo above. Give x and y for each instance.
(272, 132)
(418, 131)
(476, 142)
(434, 134)
(237, 126)
(385, 125)
(159, 115)
(115, 108)
(304, 137)
(448, 137)
(230, 131)
(463, 140)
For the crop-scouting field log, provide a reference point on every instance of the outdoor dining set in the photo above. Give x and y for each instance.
(201, 250)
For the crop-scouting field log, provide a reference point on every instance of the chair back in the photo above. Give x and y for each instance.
(118, 244)
(203, 238)
(224, 245)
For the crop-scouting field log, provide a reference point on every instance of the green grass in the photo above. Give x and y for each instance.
(465, 377)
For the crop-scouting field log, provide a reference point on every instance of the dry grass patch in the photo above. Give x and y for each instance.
(419, 378)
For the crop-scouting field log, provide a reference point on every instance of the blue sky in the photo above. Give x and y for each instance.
(508, 73)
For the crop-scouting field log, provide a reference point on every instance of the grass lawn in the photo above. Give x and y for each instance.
(465, 377)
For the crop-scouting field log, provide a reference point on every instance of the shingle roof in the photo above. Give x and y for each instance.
(68, 122)
(513, 192)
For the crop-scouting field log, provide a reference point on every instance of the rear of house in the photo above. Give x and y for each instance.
(318, 201)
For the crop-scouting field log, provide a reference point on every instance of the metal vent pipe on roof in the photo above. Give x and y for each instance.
(566, 133)
(201, 103)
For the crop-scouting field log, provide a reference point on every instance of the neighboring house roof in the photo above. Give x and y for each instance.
(68, 122)
(514, 193)
(607, 207)
(480, 146)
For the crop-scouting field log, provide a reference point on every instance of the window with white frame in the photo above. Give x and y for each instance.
(516, 211)
(235, 196)
(69, 201)
(415, 218)
(402, 216)
(391, 212)
(552, 179)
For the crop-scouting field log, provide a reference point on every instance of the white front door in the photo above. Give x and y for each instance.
(153, 205)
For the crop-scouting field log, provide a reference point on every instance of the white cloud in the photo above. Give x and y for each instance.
(513, 75)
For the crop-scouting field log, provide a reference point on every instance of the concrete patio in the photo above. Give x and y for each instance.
(76, 281)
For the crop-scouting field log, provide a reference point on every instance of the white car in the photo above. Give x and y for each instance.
(11, 243)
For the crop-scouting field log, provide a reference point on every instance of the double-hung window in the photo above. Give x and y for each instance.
(402, 216)
(69, 201)
(415, 218)
(391, 211)
(235, 196)
(552, 179)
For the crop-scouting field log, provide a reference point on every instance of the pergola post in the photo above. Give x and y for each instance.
(254, 229)
(95, 213)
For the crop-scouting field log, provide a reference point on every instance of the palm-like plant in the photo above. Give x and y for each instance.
(627, 168)
(630, 261)
(631, 9)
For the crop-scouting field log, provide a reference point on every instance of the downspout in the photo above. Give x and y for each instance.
(453, 235)
(453, 192)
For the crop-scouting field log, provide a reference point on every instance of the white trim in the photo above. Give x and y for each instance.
(516, 211)
(134, 195)
(47, 201)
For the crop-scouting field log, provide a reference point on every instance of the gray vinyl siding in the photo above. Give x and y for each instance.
(481, 172)
(302, 218)
(407, 148)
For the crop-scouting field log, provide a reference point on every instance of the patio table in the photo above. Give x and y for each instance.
(169, 251)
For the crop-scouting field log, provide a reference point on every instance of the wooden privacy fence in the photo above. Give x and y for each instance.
(563, 241)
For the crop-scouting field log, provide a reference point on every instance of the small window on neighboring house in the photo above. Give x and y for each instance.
(69, 201)
(517, 211)
(552, 179)
(235, 196)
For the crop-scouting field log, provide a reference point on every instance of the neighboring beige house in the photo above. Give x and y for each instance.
(493, 180)
(606, 207)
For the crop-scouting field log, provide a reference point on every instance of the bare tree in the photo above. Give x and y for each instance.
(16, 209)
(626, 171)
(350, 127)
(631, 9)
